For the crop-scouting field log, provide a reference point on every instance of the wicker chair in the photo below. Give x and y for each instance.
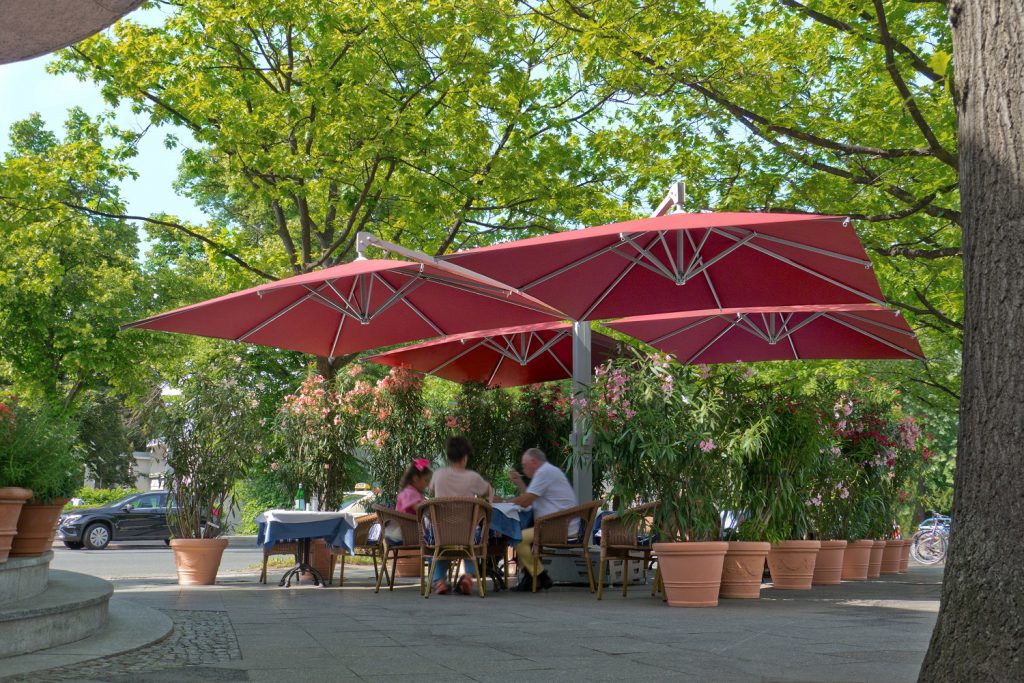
(619, 541)
(362, 546)
(279, 548)
(457, 528)
(391, 550)
(552, 532)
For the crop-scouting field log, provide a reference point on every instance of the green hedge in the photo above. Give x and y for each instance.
(96, 497)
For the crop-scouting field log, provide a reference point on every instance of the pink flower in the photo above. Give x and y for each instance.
(704, 370)
(274, 467)
(816, 501)
(707, 446)
(327, 466)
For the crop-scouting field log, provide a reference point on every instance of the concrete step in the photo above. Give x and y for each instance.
(130, 626)
(23, 577)
(72, 607)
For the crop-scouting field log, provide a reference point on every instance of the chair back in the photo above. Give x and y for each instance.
(624, 528)
(364, 525)
(555, 529)
(405, 522)
(455, 521)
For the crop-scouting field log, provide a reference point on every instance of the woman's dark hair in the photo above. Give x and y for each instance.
(458, 448)
(419, 468)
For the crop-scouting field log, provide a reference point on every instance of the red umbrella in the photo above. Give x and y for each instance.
(356, 306)
(682, 262)
(506, 357)
(860, 331)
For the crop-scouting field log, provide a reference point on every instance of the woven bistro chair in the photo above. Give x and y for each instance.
(552, 532)
(621, 534)
(454, 528)
(279, 548)
(410, 544)
(362, 546)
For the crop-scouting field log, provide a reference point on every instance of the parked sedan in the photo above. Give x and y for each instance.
(136, 517)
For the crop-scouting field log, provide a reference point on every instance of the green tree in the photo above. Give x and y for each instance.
(67, 280)
(105, 432)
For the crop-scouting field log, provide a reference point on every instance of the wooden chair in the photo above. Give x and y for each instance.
(362, 546)
(551, 532)
(620, 534)
(279, 548)
(456, 528)
(409, 545)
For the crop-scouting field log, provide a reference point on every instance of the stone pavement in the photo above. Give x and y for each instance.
(241, 631)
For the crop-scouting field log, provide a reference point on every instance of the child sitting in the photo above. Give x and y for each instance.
(413, 483)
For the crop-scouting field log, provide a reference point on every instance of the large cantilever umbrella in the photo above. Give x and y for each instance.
(31, 28)
(683, 262)
(506, 357)
(357, 306)
(858, 331)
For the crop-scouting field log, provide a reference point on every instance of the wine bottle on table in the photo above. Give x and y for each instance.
(300, 499)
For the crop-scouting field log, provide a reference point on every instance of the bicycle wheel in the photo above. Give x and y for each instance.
(928, 548)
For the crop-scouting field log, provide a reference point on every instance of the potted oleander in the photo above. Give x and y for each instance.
(210, 429)
(663, 433)
(776, 479)
(40, 468)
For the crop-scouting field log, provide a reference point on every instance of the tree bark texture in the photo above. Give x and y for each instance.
(979, 635)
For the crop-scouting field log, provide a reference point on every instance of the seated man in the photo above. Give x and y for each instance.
(549, 492)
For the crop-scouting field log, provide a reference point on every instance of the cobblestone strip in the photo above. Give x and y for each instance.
(199, 637)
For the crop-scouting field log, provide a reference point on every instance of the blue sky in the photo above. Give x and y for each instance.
(25, 87)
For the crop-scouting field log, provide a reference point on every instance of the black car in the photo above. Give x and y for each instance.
(137, 517)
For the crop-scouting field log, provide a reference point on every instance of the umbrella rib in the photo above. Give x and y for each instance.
(697, 270)
(558, 336)
(707, 276)
(341, 322)
(487, 295)
(578, 262)
(790, 331)
(711, 343)
(283, 311)
(558, 360)
(405, 300)
(810, 271)
(701, 321)
(750, 328)
(346, 300)
(807, 247)
(608, 290)
(891, 328)
(878, 339)
(668, 252)
(644, 252)
(697, 249)
(490, 379)
(457, 356)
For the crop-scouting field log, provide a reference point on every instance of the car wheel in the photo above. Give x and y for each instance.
(96, 536)
(73, 545)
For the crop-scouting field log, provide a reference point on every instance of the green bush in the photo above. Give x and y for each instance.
(38, 451)
(92, 498)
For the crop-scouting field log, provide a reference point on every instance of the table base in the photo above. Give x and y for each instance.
(303, 566)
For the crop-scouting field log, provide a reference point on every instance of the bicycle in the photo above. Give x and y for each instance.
(929, 544)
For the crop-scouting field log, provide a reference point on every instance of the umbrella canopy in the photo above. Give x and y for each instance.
(859, 331)
(356, 306)
(685, 262)
(506, 357)
(31, 28)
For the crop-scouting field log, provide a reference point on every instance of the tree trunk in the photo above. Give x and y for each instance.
(980, 631)
(328, 367)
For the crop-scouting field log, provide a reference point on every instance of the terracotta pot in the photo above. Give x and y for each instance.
(408, 566)
(891, 556)
(875, 563)
(11, 500)
(905, 555)
(320, 558)
(691, 571)
(828, 568)
(742, 569)
(36, 526)
(856, 559)
(792, 564)
(198, 559)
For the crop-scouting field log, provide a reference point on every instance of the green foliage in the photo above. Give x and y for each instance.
(546, 422)
(105, 437)
(99, 497)
(210, 432)
(261, 491)
(38, 451)
(490, 420)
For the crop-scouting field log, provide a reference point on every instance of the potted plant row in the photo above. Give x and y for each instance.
(40, 468)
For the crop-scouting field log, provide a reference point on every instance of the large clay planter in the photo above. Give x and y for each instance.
(905, 555)
(198, 559)
(856, 559)
(691, 571)
(408, 566)
(36, 526)
(875, 563)
(891, 556)
(320, 558)
(12, 498)
(742, 569)
(792, 564)
(828, 568)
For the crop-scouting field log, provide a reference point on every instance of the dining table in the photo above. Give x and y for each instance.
(337, 529)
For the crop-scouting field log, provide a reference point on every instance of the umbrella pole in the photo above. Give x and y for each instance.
(582, 464)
